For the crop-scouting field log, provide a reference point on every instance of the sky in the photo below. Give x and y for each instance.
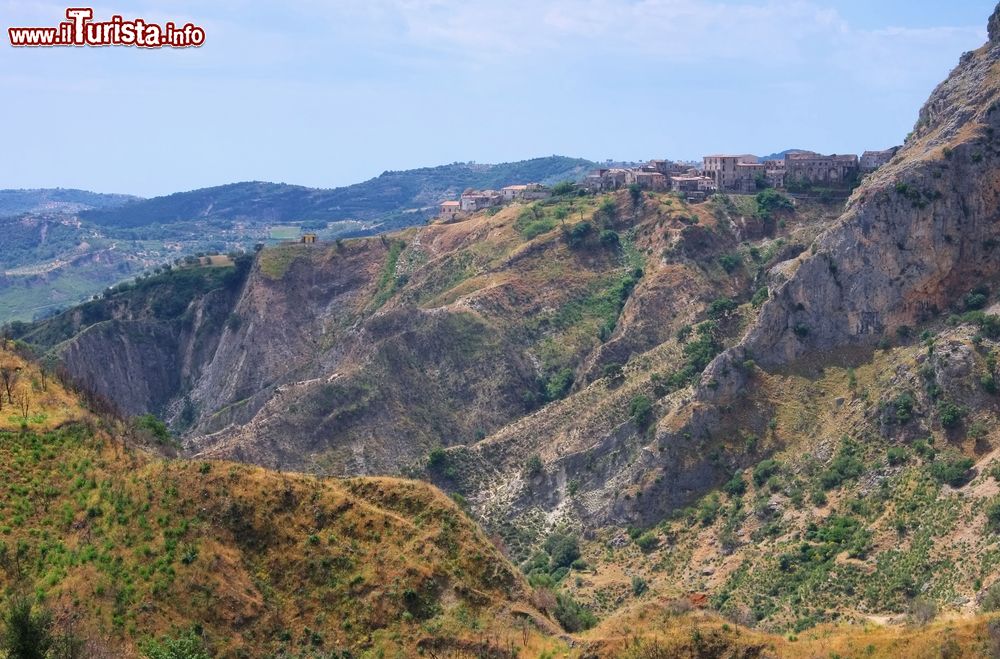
(331, 93)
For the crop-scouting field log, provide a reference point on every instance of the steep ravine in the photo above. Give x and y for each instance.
(916, 236)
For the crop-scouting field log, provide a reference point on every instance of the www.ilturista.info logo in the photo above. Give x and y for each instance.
(81, 30)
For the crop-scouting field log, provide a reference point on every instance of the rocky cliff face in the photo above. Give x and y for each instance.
(144, 360)
(915, 237)
(361, 357)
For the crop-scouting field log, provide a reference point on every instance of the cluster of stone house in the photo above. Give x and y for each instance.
(659, 175)
(476, 200)
(743, 173)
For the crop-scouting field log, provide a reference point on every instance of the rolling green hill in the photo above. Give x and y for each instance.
(16, 202)
(60, 247)
(380, 198)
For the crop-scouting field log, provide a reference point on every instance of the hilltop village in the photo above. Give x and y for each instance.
(795, 171)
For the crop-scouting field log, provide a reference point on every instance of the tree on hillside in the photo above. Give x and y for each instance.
(27, 633)
(23, 399)
(9, 375)
(635, 192)
(48, 367)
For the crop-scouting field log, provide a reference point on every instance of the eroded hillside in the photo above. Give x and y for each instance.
(136, 555)
(124, 548)
(780, 409)
(363, 356)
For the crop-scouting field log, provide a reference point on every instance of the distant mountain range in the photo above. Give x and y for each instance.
(60, 247)
(382, 197)
(17, 202)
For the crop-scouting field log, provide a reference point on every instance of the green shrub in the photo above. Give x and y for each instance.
(697, 355)
(991, 598)
(730, 262)
(647, 541)
(896, 455)
(635, 194)
(993, 517)
(155, 428)
(534, 466)
(771, 200)
(952, 469)
(845, 466)
(708, 509)
(577, 235)
(610, 239)
(841, 532)
(765, 470)
(563, 548)
(563, 188)
(439, 462)
(559, 384)
(759, 297)
(187, 646)
(902, 408)
(924, 449)
(720, 307)
(949, 414)
(736, 486)
(608, 209)
(613, 371)
(639, 586)
(532, 222)
(641, 411)
(27, 633)
(573, 616)
(976, 298)
(974, 301)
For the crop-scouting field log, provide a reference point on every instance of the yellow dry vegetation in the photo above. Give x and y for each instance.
(36, 399)
(124, 546)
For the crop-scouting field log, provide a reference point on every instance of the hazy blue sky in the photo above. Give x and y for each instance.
(331, 93)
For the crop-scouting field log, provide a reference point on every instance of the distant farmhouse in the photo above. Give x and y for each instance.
(605, 179)
(476, 200)
(471, 200)
(526, 192)
(449, 210)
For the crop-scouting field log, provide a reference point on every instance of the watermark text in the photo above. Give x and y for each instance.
(80, 29)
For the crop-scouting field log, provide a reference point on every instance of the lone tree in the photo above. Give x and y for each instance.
(24, 401)
(9, 375)
(635, 193)
(27, 634)
(47, 369)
